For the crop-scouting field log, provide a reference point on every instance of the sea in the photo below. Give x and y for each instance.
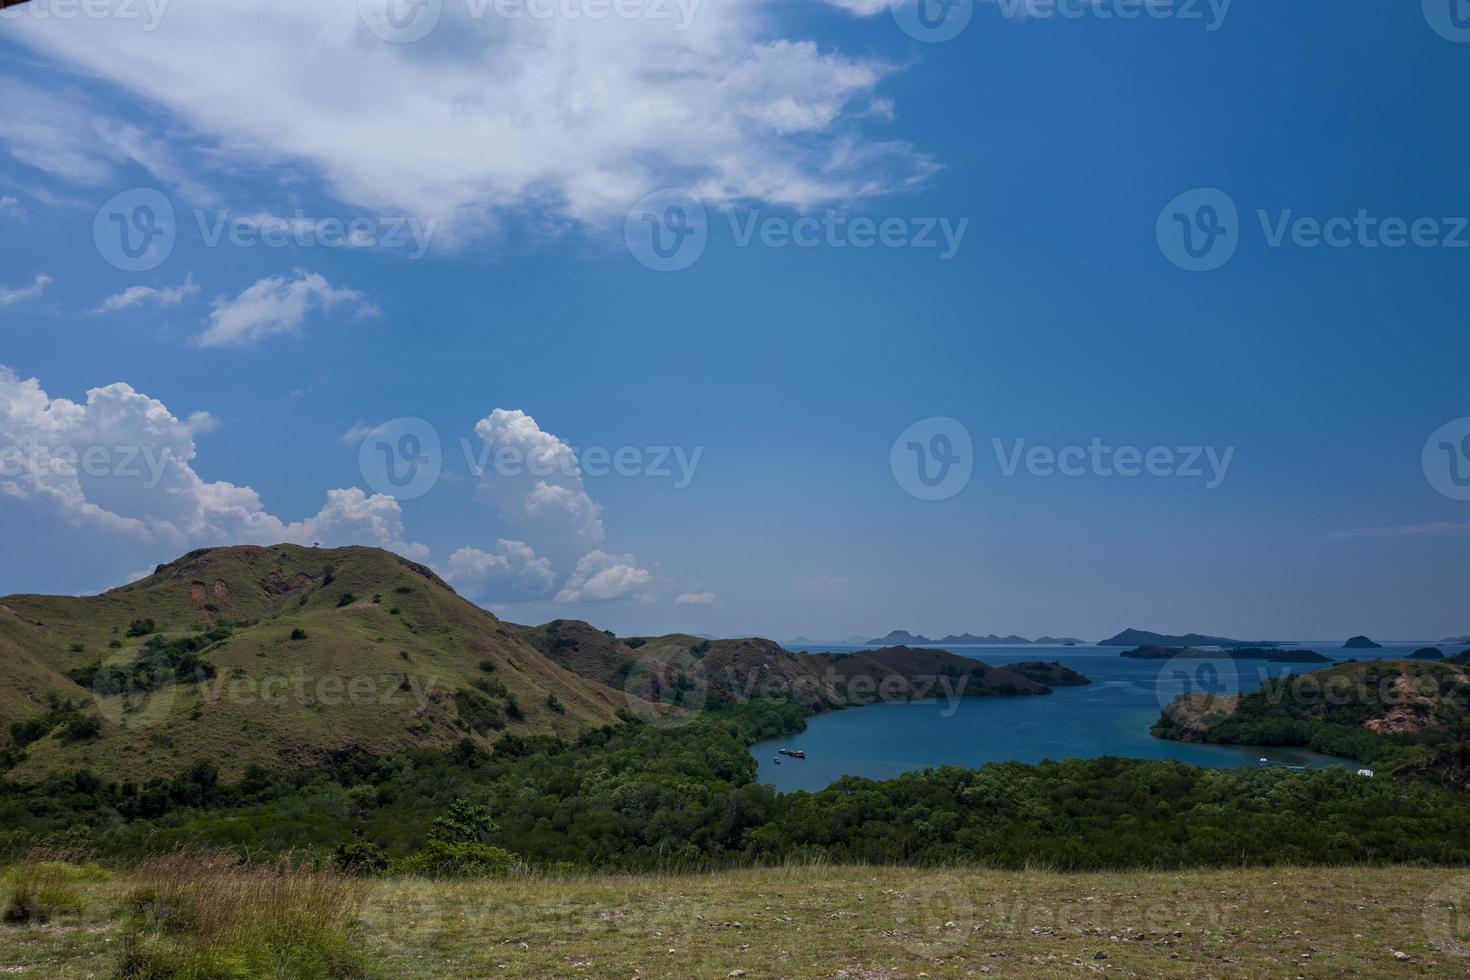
(1110, 717)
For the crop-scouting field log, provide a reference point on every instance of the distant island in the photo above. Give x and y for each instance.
(1427, 653)
(971, 640)
(1141, 638)
(1273, 654)
(1361, 643)
(899, 638)
(1452, 640)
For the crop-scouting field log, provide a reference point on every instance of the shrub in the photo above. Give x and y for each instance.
(206, 915)
(477, 711)
(298, 634)
(361, 857)
(346, 599)
(555, 705)
(141, 627)
(488, 666)
(458, 847)
(80, 728)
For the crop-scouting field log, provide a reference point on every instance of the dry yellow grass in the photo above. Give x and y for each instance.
(867, 923)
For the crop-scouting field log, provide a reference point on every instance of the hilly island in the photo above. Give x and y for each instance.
(288, 656)
(359, 773)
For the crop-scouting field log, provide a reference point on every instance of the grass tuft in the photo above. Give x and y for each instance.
(193, 915)
(44, 886)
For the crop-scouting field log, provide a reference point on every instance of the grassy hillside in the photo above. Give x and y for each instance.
(277, 657)
(687, 671)
(874, 923)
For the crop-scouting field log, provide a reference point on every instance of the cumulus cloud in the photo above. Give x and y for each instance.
(600, 577)
(276, 305)
(139, 295)
(512, 573)
(121, 463)
(10, 206)
(9, 297)
(488, 117)
(534, 481)
(695, 599)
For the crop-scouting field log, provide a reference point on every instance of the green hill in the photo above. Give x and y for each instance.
(1403, 713)
(687, 671)
(278, 656)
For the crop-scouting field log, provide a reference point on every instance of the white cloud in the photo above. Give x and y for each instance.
(62, 134)
(9, 297)
(534, 481)
(356, 433)
(1441, 529)
(488, 117)
(695, 599)
(512, 573)
(138, 295)
(122, 463)
(276, 305)
(860, 8)
(601, 577)
(10, 206)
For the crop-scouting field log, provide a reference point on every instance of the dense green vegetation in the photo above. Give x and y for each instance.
(641, 796)
(1384, 713)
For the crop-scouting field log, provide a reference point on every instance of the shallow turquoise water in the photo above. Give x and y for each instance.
(1112, 716)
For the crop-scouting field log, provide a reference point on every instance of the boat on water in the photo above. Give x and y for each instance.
(793, 753)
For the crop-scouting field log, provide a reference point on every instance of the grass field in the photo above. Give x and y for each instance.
(855, 923)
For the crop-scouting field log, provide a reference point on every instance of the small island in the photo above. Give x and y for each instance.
(1140, 638)
(1273, 655)
(1427, 653)
(1361, 643)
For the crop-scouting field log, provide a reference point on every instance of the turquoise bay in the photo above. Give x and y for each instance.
(1112, 716)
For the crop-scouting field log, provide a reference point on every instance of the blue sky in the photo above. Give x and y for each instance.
(1051, 146)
